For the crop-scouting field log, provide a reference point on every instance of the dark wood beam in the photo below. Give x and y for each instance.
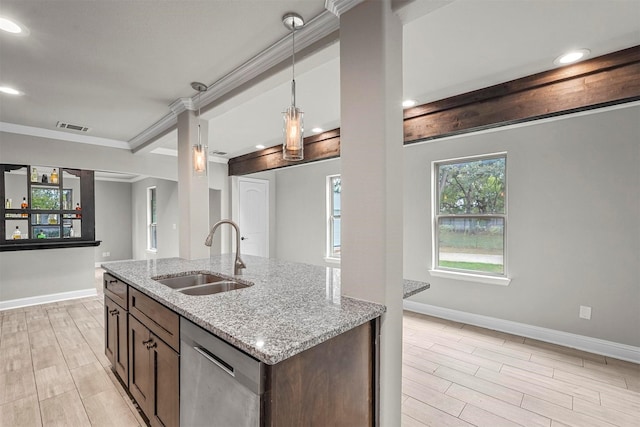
(606, 80)
(322, 146)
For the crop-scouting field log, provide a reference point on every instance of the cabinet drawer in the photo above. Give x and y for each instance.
(158, 318)
(116, 289)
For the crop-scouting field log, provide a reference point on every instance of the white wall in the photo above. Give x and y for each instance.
(113, 220)
(167, 212)
(573, 227)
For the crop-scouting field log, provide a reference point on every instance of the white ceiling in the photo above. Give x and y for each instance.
(115, 66)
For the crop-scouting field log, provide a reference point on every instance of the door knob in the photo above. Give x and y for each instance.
(244, 238)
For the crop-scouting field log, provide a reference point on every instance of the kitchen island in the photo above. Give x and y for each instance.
(291, 317)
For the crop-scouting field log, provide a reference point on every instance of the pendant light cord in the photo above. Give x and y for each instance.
(293, 67)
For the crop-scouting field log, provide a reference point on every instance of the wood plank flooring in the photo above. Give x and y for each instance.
(53, 372)
(462, 375)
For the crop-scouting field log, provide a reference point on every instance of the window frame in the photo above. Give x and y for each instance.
(330, 255)
(152, 227)
(436, 216)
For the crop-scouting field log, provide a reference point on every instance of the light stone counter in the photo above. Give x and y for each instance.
(289, 308)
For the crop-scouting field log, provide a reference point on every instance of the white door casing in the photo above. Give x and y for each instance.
(253, 218)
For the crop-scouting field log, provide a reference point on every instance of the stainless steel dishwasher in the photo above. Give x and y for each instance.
(220, 386)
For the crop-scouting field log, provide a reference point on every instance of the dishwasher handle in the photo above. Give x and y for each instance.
(215, 360)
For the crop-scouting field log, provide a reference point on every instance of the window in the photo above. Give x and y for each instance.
(470, 215)
(334, 187)
(152, 220)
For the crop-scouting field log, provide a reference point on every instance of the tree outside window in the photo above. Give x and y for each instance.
(470, 216)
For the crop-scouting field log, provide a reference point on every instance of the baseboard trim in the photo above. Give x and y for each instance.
(44, 299)
(567, 339)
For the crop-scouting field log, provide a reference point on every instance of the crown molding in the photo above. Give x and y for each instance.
(174, 153)
(182, 104)
(62, 136)
(338, 7)
(313, 31)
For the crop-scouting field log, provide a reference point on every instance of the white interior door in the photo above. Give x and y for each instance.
(253, 203)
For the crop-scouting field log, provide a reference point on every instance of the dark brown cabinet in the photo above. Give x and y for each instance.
(116, 328)
(115, 338)
(154, 375)
(154, 360)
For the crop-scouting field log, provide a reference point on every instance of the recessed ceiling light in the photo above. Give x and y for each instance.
(571, 57)
(409, 103)
(259, 146)
(317, 130)
(10, 91)
(11, 26)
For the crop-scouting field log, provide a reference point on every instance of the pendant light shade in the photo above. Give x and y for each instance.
(199, 154)
(293, 146)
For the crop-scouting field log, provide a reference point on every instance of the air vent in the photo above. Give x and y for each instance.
(78, 128)
(217, 153)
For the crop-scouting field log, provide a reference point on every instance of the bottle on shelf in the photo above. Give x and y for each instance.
(71, 231)
(24, 205)
(34, 174)
(16, 233)
(65, 202)
(7, 204)
(41, 235)
(45, 179)
(53, 219)
(78, 208)
(54, 177)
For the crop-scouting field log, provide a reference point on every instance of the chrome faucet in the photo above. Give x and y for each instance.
(238, 264)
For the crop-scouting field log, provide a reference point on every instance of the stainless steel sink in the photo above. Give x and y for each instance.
(213, 288)
(189, 280)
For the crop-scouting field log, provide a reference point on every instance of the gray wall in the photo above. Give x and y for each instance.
(113, 220)
(301, 211)
(573, 228)
(31, 150)
(27, 274)
(167, 211)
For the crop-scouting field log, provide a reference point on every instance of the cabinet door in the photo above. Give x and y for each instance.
(110, 331)
(121, 356)
(140, 379)
(165, 368)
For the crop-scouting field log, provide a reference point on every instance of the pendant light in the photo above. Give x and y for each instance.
(293, 146)
(199, 151)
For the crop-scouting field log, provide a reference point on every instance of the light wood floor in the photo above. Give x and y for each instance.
(462, 375)
(53, 372)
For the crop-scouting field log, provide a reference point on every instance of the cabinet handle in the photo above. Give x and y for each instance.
(113, 312)
(147, 341)
(113, 280)
(152, 345)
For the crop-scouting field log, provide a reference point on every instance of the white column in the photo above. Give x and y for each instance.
(193, 191)
(371, 139)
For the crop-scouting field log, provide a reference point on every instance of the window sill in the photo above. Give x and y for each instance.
(469, 277)
(332, 260)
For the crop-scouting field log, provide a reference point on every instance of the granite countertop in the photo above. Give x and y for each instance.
(289, 308)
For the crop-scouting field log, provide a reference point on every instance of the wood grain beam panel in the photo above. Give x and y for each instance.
(322, 146)
(606, 80)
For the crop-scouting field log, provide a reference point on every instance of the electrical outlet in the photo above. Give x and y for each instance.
(585, 312)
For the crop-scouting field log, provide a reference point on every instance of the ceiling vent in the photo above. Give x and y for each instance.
(78, 128)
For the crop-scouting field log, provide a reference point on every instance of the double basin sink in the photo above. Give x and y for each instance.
(202, 283)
